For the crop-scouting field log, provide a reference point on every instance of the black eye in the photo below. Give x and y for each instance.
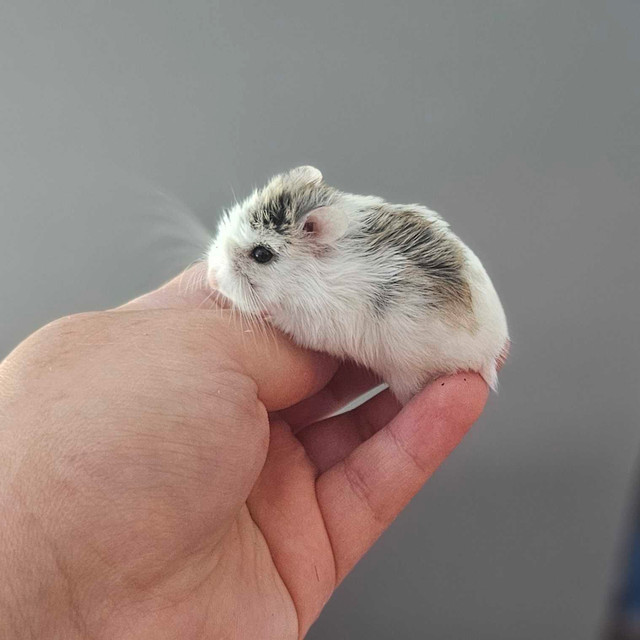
(261, 254)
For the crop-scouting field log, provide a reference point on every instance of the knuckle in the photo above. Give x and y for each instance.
(410, 456)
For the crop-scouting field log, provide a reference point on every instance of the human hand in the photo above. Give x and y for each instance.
(166, 474)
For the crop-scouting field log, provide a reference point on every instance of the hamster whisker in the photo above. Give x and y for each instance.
(209, 297)
(250, 317)
(199, 280)
(258, 311)
(195, 278)
(235, 197)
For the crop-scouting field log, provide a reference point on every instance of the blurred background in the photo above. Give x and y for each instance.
(127, 125)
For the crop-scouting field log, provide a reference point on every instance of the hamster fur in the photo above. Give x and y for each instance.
(388, 286)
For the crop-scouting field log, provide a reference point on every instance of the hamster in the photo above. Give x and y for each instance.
(388, 286)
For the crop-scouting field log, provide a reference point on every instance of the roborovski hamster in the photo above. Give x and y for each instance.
(389, 286)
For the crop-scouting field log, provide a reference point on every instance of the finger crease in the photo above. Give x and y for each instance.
(284, 582)
(330, 541)
(360, 488)
(406, 452)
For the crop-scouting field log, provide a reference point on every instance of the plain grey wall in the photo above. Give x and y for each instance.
(519, 120)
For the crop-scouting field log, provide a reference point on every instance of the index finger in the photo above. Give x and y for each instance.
(362, 494)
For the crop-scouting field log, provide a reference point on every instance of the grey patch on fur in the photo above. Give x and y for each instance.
(435, 259)
(384, 296)
(282, 204)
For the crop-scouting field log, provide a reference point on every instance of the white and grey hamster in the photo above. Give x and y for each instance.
(388, 286)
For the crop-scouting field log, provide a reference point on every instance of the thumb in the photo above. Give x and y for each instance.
(284, 373)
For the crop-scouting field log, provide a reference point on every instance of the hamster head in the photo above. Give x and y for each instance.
(266, 242)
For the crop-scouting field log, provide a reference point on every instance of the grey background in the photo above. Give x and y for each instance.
(518, 120)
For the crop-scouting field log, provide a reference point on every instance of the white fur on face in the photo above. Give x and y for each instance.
(251, 286)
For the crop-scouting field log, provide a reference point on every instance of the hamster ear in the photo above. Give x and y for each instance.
(306, 175)
(326, 224)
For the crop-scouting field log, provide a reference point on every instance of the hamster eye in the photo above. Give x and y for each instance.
(261, 254)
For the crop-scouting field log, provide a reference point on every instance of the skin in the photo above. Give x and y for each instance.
(167, 474)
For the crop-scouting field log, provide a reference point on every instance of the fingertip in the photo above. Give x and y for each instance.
(460, 397)
(447, 407)
(462, 392)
